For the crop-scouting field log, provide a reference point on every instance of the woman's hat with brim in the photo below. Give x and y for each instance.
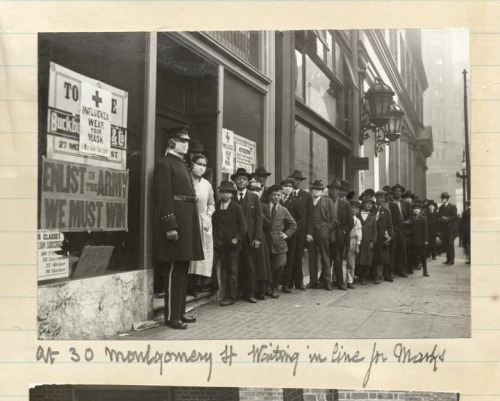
(367, 199)
(197, 147)
(367, 193)
(227, 186)
(241, 171)
(262, 172)
(335, 184)
(297, 175)
(317, 184)
(407, 195)
(398, 186)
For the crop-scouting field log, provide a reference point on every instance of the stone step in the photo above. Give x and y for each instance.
(203, 298)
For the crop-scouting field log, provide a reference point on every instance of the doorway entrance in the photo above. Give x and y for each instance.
(186, 93)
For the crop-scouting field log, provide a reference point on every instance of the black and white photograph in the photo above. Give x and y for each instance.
(157, 393)
(219, 185)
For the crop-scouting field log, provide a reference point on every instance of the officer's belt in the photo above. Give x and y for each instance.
(191, 199)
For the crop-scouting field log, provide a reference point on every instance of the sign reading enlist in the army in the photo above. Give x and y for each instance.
(77, 197)
(86, 120)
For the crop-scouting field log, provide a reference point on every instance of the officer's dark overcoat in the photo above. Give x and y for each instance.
(173, 180)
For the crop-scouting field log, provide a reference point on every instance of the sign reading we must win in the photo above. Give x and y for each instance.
(77, 197)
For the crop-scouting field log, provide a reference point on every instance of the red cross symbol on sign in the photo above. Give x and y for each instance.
(96, 99)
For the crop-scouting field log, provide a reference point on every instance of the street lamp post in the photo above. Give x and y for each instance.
(463, 177)
(466, 129)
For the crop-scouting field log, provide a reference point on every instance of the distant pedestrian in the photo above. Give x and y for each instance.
(279, 226)
(229, 231)
(400, 214)
(385, 233)
(465, 231)
(419, 237)
(448, 222)
(433, 228)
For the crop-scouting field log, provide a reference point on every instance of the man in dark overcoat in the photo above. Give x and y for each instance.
(343, 223)
(252, 210)
(305, 226)
(400, 214)
(385, 232)
(448, 221)
(293, 207)
(261, 175)
(178, 237)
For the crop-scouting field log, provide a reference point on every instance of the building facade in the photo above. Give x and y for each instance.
(284, 100)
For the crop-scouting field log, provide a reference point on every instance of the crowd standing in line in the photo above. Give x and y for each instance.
(259, 233)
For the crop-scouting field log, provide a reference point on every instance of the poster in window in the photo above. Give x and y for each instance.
(79, 105)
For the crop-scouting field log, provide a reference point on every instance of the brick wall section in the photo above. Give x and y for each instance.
(316, 394)
(260, 394)
(345, 395)
(51, 393)
(293, 394)
(205, 394)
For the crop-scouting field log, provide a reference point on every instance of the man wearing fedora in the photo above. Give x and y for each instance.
(448, 220)
(261, 175)
(305, 227)
(433, 227)
(252, 210)
(400, 214)
(342, 226)
(178, 237)
(324, 222)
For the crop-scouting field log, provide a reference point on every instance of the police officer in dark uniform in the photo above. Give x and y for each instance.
(178, 237)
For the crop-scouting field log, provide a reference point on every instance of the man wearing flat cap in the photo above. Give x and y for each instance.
(343, 223)
(400, 214)
(178, 237)
(448, 221)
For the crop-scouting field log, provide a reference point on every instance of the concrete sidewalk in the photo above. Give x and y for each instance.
(416, 307)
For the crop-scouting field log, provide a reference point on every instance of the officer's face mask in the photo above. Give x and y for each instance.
(317, 192)
(181, 147)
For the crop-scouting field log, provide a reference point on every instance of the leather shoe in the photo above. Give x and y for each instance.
(342, 287)
(426, 274)
(350, 286)
(275, 295)
(176, 324)
(446, 263)
(252, 300)
(403, 275)
(389, 279)
(286, 289)
(302, 287)
(261, 297)
(377, 281)
(328, 287)
(188, 319)
(313, 286)
(226, 302)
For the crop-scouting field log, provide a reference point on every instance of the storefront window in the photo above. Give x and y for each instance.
(100, 225)
(311, 154)
(321, 96)
(299, 88)
(244, 111)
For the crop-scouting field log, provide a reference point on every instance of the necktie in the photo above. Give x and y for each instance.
(241, 197)
(273, 211)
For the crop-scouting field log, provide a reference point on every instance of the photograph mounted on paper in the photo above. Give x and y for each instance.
(254, 185)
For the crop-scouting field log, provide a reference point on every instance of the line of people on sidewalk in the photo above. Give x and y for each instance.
(259, 233)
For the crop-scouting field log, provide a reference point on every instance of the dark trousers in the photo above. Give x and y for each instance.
(398, 253)
(277, 276)
(418, 254)
(175, 282)
(229, 272)
(431, 250)
(297, 275)
(290, 261)
(247, 269)
(449, 246)
(337, 254)
(320, 246)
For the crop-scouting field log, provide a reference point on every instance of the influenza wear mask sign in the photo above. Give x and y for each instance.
(86, 120)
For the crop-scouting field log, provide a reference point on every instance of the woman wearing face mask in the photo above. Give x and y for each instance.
(201, 271)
